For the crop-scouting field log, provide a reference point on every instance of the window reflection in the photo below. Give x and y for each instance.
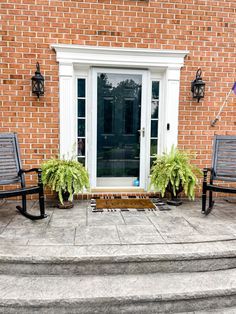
(108, 115)
(81, 146)
(81, 107)
(81, 119)
(129, 117)
(154, 120)
(118, 122)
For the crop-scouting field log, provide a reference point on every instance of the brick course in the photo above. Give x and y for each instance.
(204, 27)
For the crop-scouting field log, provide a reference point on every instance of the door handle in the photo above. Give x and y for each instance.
(142, 132)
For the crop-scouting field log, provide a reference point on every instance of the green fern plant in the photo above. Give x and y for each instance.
(65, 176)
(173, 172)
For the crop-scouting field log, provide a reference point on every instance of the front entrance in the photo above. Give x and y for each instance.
(120, 128)
(110, 148)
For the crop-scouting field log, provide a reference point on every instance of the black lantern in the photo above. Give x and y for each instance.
(38, 82)
(198, 86)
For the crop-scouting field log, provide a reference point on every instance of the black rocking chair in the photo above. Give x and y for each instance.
(11, 172)
(223, 169)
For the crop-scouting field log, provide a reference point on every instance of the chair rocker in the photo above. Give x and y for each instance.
(11, 172)
(223, 169)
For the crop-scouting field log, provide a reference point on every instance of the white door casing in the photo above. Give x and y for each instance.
(81, 61)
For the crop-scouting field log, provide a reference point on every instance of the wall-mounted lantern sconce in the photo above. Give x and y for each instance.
(198, 86)
(38, 82)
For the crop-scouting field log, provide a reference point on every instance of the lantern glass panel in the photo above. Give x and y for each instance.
(41, 87)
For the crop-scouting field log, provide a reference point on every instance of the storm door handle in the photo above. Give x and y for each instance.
(142, 132)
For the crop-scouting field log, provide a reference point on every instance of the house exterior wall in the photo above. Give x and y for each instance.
(206, 28)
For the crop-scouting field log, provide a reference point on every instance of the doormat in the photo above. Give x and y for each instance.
(127, 204)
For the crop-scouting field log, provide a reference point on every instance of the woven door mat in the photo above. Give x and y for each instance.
(127, 204)
(137, 203)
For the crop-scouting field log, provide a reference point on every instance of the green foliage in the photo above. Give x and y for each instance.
(175, 170)
(65, 176)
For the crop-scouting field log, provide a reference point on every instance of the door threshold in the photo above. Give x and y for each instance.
(117, 189)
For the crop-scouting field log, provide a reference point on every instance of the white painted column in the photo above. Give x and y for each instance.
(67, 111)
(172, 107)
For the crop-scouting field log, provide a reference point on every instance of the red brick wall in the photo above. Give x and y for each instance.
(204, 27)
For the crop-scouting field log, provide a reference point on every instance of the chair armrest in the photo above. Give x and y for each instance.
(39, 173)
(205, 175)
(38, 170)
(205, 170)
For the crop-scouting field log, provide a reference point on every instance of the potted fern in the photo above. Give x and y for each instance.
(66, 177)
(174, 173)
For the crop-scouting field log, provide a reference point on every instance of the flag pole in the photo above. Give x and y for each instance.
(217, 118)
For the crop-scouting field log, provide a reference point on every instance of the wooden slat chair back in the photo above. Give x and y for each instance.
(224, 159)
(9, 161)
(223, 169)
(11, 172)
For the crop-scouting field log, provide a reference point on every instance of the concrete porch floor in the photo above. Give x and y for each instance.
(77, 261)
(81, 227)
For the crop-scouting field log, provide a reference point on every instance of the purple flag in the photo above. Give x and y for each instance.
(234, 88)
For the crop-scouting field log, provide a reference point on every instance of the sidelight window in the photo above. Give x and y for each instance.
(81, 120)
(154, 121)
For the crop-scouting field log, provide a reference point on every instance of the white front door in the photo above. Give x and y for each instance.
(119, 127)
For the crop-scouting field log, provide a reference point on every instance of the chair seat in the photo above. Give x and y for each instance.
(19, 192)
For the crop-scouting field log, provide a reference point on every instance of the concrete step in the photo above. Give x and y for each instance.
(228, 310)
(116, 294)
(113, 259)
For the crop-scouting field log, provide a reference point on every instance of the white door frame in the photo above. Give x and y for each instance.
(75, 59)
(145, 100)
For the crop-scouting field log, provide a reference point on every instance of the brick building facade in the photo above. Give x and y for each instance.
(61, 33)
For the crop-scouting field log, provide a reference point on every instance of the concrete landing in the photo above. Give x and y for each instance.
(81, 227)
(77, 261)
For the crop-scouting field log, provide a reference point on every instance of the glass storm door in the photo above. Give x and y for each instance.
(118, 128)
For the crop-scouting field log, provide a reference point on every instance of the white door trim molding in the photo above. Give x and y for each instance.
(74, 59)
(122, 57)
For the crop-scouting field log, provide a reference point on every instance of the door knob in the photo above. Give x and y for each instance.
(142, 131)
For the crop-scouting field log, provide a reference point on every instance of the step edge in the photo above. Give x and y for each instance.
(32, 259)
(194, 295)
